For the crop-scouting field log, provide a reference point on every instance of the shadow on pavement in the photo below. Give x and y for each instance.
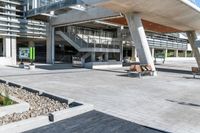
(94, 122)
(184, 103)
(197, 78)
(56, 67)
(173, 71)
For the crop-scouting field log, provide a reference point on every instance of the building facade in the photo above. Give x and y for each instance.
(39, 23)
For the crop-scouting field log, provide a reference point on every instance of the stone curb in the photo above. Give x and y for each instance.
(75, 108)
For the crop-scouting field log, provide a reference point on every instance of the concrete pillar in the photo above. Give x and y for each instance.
(176, 53)
(50, 44)
(7, 46)
(106, 56)
(121, 51)
(10, 48)
(185, 53)
(138, 36)
(1, 49)
(166, 53)
(133, 54)
(14, 50)
(192, 54)
(153, 52)
(34, 4)
(119, 36)
(93, 57)
(196, 50)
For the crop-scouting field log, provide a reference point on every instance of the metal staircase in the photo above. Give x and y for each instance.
(88, 45)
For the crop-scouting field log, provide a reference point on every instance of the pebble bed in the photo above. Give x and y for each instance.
(39, 105)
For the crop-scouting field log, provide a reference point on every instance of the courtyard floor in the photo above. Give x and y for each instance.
(169, 102)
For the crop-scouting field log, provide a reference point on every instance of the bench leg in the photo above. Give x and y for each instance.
(194, 76)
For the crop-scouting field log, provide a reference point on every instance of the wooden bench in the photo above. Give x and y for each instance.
(140, 70)
(195, 71)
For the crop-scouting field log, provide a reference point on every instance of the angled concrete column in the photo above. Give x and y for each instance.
(50, 44)
(196, 50)
(139, 37)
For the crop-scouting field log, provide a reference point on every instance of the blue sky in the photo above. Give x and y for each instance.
(196, 1)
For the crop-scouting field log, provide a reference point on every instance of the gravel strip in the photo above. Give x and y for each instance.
(39, 105)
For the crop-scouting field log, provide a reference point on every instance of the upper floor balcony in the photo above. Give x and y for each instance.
(32, 4)
(45, 7)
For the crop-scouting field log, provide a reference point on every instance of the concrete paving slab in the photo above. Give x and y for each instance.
(94, 122)
(168, 102)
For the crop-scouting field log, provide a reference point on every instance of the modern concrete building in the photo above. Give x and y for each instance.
(98, 32)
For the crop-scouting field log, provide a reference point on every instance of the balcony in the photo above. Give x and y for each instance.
(51, 5)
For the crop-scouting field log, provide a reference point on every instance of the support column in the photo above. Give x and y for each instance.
(196, 50)
(93, 57)
(176, 53)
(166, 53)
(106, 56)
(14, 50)
(50, 44)
(1, 49)
(133, 54)
(185, 53)
(119, 36)
(9, 49)
(153, 52)
(138, 36)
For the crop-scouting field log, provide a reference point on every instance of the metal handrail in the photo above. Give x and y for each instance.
(89, 42)
(162, 41)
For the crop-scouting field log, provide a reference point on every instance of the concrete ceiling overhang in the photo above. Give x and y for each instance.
(177, 14)
(147, 25)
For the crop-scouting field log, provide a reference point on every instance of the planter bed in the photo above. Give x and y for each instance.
(43, 108)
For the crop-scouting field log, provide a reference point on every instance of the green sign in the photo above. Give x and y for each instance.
(32, 53)
(27, 53)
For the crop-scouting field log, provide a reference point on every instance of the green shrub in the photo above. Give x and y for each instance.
(5, 101)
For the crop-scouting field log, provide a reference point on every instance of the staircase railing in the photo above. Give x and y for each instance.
(90, 42)
(161, 41)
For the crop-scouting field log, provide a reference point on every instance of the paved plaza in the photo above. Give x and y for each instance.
(94, 122)
(168, 102)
